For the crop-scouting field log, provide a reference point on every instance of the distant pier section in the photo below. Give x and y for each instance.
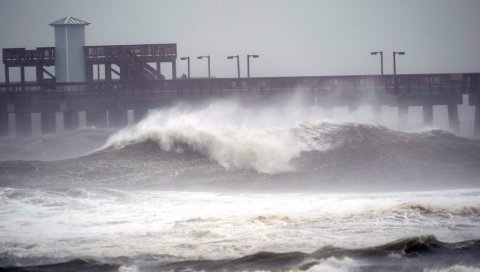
(116, 85)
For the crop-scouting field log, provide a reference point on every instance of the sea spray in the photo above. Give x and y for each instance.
(265, 146)
(261, 149)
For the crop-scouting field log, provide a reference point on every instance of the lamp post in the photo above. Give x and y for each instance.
(394, 61)
(248, 63)
(381, 59)
(208, 58)
(238, 63)
(188, 64)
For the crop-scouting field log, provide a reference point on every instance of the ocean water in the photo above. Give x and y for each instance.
(224, 188)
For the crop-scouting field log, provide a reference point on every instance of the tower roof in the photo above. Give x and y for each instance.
(69, 21)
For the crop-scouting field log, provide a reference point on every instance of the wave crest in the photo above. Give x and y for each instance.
(234, 145)
(271, 145)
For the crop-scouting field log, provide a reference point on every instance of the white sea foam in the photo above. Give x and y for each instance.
(62, 223)
(333, 264)
(128, 269)
(455, 268)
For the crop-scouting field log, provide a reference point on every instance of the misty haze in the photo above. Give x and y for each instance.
(253, 135)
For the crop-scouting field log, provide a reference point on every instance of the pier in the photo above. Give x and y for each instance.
(105, 103)
(111, 86)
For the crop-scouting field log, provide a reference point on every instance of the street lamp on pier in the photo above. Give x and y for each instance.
(248, 63)
(208, 58)
(381, 59)
(238, 63)
(394, 61)
(188, 65)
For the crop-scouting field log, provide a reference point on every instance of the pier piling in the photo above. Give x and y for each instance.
(453, 117)
(428, 115)
(49, 123)
(96, 119)
(352, 109)
(477, 121)
(139, 114)
(117, 118)
(71, 120)
(3, 124)
(377, 113)
(23, 123)
(402, 116)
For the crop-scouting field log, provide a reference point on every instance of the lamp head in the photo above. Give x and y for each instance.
(185, 58)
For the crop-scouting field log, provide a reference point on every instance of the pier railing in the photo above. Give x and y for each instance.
(424, 84)
(13, 56)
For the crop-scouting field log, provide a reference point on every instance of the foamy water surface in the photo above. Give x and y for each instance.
(110, 223)
(228, 188)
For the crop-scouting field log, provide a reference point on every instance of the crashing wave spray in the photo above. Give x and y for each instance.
(267, 140)
(234, 137)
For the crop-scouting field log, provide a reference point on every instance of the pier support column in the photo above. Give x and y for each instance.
(139, 114)
(7, 74)
(117, 118)
(453, 117)
(351, 109)
(22, 74)
(377, 113)
(159, 70)
(23, 123)
(124, 74)
(328, 112)
(174, 70)
(108, 72)
(97, 119)
(70, 120)
(39, 73)
(402, 116)
(88, 72)
(3, 124)
(49, 124)
(428, 115)
(477, 121)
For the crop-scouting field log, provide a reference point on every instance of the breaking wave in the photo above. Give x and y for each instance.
(230, 144)
(271, 147)
(262, 147)
(422, 253)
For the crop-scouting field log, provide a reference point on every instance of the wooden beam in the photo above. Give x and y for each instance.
(48, 73)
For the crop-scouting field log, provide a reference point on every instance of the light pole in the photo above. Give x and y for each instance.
(381, 59)
(188, 64)
(238, 63)
(208, 58)
(394, 61)
(248, 63)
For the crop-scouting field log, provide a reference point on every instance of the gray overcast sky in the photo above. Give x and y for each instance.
(292, 37)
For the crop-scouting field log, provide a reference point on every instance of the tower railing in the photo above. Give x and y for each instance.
(122, 51)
